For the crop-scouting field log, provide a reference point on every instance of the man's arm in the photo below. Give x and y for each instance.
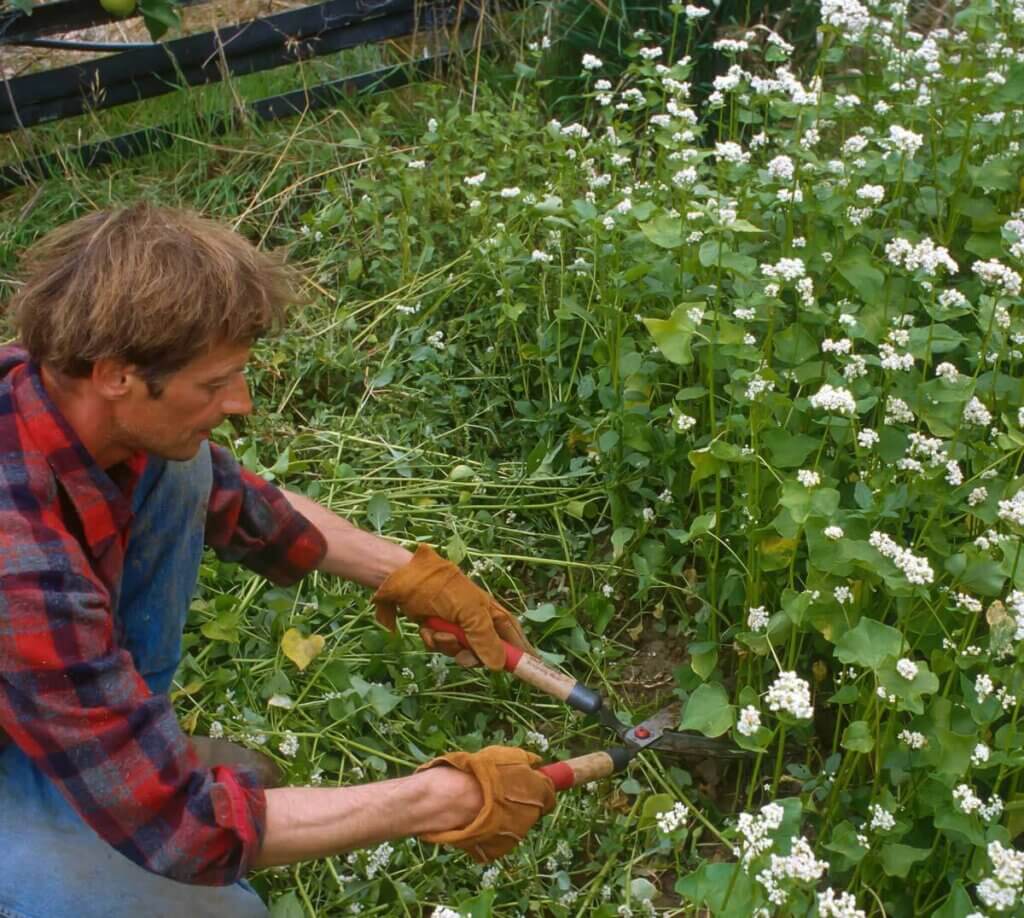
(352, 553)
(313, 822)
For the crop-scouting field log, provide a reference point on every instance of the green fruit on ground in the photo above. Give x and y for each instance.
(118, 7)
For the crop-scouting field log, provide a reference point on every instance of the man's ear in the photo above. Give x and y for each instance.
(113, 379)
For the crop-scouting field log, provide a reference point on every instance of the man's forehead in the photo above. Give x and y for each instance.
(220, 359)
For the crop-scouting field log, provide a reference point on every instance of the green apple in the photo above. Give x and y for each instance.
(118, 7)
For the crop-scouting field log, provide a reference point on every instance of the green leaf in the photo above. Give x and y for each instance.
(711, 883)
(869, 644)
(653, 807)
(703, 658)
(857, 737)
(223, 628)
(620, 538)
(708, 711)
(909, 693)
(543, 613)
(664, 231)
(858, 271)
(789, 450)
(898, 859)
(795, 345)
(674, 334)
(159, 16)
(287, 906)
(378, 511)
(844, 842)
(957, 905)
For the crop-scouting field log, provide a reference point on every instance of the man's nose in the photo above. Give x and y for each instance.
(238, 400)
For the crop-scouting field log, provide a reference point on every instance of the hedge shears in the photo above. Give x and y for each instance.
(656, 732)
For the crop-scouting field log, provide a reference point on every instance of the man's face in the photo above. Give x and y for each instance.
(195, 400)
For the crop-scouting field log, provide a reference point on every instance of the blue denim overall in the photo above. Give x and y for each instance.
(52, 865)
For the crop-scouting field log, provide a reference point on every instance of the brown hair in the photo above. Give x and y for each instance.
(153, 286)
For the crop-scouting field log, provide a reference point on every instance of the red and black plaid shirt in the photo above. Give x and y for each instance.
(70, 696)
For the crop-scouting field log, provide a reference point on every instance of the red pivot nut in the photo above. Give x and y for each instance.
(641, 733)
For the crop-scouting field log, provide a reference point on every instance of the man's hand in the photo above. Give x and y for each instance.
(515, 797)
(429, 585)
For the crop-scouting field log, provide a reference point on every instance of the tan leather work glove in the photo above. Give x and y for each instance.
(515, 797)
(428, 585)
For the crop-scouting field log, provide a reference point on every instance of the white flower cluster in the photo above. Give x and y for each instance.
(442, 911)
(754, 833)
(757, 618)
(749, 721)
(969, 802)
(997, 274)
(670, 820)
(590, 62)
(867, 438)
(376, 861)
(1012, 510)
(731, 153)
(833, 533)
(915, 569)
(903, 141)
(980, 755)
(756, 385)
(800, 864)
(1002, 890)
(907, 669)
(891, 359)
(808, 478)
(789, 269)
(913, 739)
(873, 193)
(792, 694)
(926, 255)
(842, 906)
(1016, 603)
(781, 169)
(881, 819)
(976, 413)
(850, 17)
(834, 399)
(897, 411)
(289, 746)
(947, 372)
(538, 740)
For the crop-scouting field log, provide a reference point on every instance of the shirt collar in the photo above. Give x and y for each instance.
(103, 508)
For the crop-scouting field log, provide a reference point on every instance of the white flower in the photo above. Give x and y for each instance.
(216, 729)
(881, 818)
(695, 12)
(544, 257)
(808, 478)
(897, 411)
(753, 833)
(842, 906)
(789, 269)
(650, 54)
(980, 755)
(749, 721)
(731, 153)
(436, 340)
(904, 141)
(873, 193)
(843, 595)
(684, 422)
(756, 385)
(289, 746)
(474, 180)
(907, 669)
(781, 169)
(416, 164)
(671, 820)
(997, 274)
(757, 618)
(835, 533)
(432, 126)
(983, 686)
(976, 413)
(537, 740)
(915, 569)
(867, 438)
(792, 694)
(590, 62)
(849, 17)
(648, 514)
(512, 192)
(913, 739)
(608, 590)
(1013, 510)
(834, 399)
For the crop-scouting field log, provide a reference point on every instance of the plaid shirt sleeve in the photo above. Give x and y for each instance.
(73, 701)
(250, 521)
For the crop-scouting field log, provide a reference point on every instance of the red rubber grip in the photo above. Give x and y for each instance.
(561, 775)
(512, 654)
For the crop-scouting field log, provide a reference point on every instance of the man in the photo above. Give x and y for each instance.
(134, 331)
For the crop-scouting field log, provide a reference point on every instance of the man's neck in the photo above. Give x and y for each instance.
(88, 418)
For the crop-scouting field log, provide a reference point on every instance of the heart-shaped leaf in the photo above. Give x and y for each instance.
(301, 650)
